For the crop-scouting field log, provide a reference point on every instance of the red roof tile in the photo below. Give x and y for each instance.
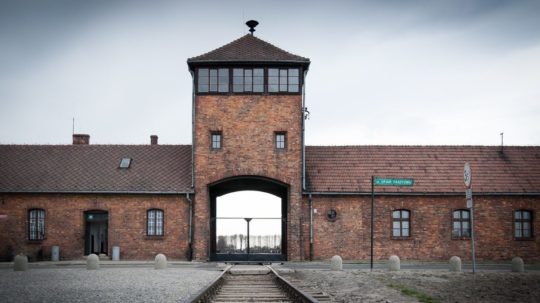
(95, 168)
(248, 49)
(435, 169)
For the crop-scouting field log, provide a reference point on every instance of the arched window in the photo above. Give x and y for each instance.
(36, 224)
(401, 223)
(523, 228)
(461, 223)
(154, 225)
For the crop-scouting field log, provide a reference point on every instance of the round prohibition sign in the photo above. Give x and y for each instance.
(467, 175)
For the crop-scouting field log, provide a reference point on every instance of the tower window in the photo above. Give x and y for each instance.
(248, 80)
(213, 80)
(281, 140)
(216, 140)
(283, 80)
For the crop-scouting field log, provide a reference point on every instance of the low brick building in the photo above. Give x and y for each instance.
(248, 135)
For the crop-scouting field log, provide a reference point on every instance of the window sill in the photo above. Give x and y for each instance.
(35, 241)
(524, 239)
(154, 237)
(401, 238)
(461, 238)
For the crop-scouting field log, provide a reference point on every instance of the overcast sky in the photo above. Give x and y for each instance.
(382, 72)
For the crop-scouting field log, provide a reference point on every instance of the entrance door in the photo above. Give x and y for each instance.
(248, 227)
(96, 232)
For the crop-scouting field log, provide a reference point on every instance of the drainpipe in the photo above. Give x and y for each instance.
(192, 129)
(310, 228)
(303, 131)
(190, 228)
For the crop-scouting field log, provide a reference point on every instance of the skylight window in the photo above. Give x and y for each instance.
(125, 162)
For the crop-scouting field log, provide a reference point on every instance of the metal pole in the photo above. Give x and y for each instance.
(472, 238)
(372, 216)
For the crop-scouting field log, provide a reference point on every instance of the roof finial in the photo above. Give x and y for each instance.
(251, 24)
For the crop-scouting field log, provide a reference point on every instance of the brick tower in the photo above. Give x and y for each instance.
(248, 117)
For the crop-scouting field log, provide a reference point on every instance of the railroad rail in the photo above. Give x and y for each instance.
(265, 285)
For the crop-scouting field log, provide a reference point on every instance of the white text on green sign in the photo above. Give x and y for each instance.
(393, 182)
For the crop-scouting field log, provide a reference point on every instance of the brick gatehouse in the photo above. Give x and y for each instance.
(248, 134)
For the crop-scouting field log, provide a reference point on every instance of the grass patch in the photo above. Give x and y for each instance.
(411, 292)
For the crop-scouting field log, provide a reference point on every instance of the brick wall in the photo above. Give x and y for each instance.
(431, 227)
(65, 225)
(248, 123)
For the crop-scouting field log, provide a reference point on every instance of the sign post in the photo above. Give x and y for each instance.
(383, 182)
(467, 178)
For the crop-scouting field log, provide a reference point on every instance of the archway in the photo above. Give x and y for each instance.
(248, 220)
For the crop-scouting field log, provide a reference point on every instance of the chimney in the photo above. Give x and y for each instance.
(153, 140)
(81, 139)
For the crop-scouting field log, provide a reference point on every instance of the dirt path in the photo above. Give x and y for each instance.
(429, 286)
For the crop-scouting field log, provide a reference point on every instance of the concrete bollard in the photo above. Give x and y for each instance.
(455, 264)
(20, 263)
(517, 265)
(116, 253)
(336, 263)
(55, 253)
(92, 262)
(160, 262)
(394, 263)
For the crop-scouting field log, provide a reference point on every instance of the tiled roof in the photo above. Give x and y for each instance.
(435, 169)
(248, 49)
(95, 168)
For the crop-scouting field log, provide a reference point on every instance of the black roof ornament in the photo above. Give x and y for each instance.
(251, 24)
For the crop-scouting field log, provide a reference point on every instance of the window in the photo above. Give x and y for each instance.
(281, 140)
(216, 140)
(523, 224)
(248, 80)
(213, 80)
(155, 222)
(36, 224)
(125, 162)
(283, 80)
(401, 223)
(461, 223)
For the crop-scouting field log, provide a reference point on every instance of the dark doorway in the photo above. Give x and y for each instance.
(253, 229)
(96, 232)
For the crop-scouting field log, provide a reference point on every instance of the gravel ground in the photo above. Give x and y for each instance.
(104, 285)
(442, 286)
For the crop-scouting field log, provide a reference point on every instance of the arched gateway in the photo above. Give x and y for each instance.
(255, 233)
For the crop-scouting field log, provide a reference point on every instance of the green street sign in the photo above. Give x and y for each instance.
(393, 182)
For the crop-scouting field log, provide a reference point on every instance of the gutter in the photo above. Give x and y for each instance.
(335, 193)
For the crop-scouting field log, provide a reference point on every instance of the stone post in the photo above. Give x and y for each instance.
(517, 265)
(20, 263)
(160, 262)
(55, 253)
(336, 263)
(455, 264)
(92, 262)
(116, 253)
(394, 263)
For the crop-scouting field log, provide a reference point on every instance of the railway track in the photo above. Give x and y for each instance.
(259, 284)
